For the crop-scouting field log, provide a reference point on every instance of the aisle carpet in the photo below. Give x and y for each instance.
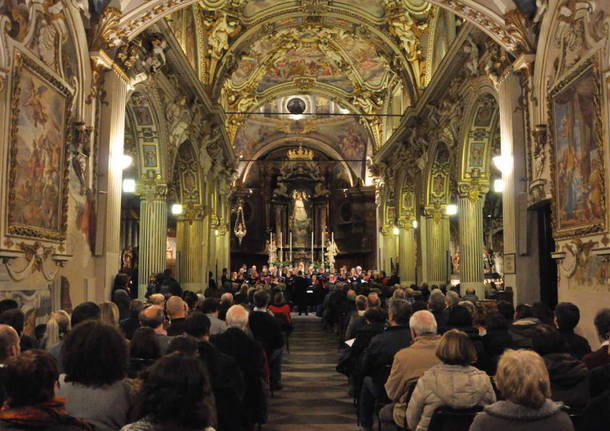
(314, 395)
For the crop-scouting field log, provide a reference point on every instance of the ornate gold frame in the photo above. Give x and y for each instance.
(591, 64)
(21, 60)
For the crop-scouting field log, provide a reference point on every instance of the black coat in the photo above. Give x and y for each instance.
(578, 346)
(495, 342)
(250, 358)
(300, 290)
(267, 330)
(176, 327)
(569, 380)
(379, 355)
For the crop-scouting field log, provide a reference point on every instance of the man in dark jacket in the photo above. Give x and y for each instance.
(250, 358)
(567, 316)
(226, 378)
(378, 358)
(300, 293)
(523, 328)
(267, 330)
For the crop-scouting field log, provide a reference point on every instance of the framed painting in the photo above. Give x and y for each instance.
(577, 134)
(38, 166)
(510, 266)
(149, 153)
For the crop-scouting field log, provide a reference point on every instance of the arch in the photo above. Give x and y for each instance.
(307, 142)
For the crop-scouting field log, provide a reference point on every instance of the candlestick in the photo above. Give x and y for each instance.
(312, 248)
(290, 235)
(322, 251)
(281, 240)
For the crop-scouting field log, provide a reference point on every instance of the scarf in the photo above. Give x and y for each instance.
(47, 414)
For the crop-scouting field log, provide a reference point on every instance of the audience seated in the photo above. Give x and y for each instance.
(31, 381)
(470, 295)
(176, 310)
(410, 363)
(437, 306)
(461, 319)
(210, 307)
(522, 329)
(109, 313)
(184, 344)
(523, 382)
(94, 384)
(567, 316)
(58, 326)
(600, 357)
(153, 317)
(281, 311)
(9, 349)
(454, 383)
(144, 350)
(173, 396)
(569, 377)
(132, 322)
(15, 318)
(357, 320)
(496, 340)
(226, 301)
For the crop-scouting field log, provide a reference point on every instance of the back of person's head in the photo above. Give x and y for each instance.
(547, 339)
(373, 300)
(375, 315)
(507, 310)
(459, 316)
(57, 328)
(85, 311)
(191, 299)
(542, 312)
(209, 305)
(419, 306)
(278, 299)
(470, 291)
(423, 323)
(399, 293)
(8, 304)
(197, 325)
(361, 302)
(135, 307)
(176, 307)
(523, 311)
(602, 323)
(237, 317)
(109, 313)
(157, 299)
(436, 301)
(15, 318)
(523, 379)
(144, 344)
(173, 391)
(152, 317)
(226, 298)
(30, 378)
(452, 298)
(94, 354)
(400, 311)
(261, 298)
(496, 321)
(9, 342)
(455, 348)
(567, 316)
(184, 344)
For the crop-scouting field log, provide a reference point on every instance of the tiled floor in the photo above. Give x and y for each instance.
(314, 395)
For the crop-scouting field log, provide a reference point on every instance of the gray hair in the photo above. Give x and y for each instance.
(422, 322)
(452, 298)
(400, 310)
(436, 300)
(237, 317)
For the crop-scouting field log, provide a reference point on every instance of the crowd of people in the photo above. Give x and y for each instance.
(181, 360)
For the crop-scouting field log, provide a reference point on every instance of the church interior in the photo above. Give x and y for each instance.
(413, 145)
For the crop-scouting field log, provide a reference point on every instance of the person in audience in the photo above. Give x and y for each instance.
(15, 318)
(461, 318)
(57, 328)
(109, 313)
(122, 300)
(454, 383)
(211, 308)
(569, 377)
(471, 295)
(226, 301)
(542, 312)
(184, 344)
(523, 382)
(157, 299)
(567, 316)
(523, 328)
(496, 340)
(452, 298)
(213, 290)
(378, 357)
(507, 310)
(144, 350)
(266, 329)
(31, 380)
(250, 358)
(82, 313)
(173, 396)
(191, 299)
(279, 307)
(131, 323)
(94, 384)
(153, 317)
(176, 310)
(601, 357)
(437, 306)
(409, 364)
(226, 378)
(357, 320)
(9, 349)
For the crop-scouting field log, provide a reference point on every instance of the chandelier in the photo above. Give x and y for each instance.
(240, 230)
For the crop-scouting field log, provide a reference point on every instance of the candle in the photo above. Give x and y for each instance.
(281, 240)
(322, 250)
(312, 248)
(290, 235)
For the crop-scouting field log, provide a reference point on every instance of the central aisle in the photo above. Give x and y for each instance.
(314, 395)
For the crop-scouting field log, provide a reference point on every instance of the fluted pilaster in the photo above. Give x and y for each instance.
(437, 237)
(407, 250)
(190, 242)
(470, 211)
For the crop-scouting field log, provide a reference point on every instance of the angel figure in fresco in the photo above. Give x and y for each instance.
(218, 40)
(36, 106)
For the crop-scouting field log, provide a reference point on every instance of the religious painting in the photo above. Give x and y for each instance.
(579, 169)
(38, 174)
(477, 155)
(149, 153)
(484, 114)
(509, 263)
(142, 115)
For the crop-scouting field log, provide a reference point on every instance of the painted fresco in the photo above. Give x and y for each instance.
(256, 6)
(579, 166)
(36, 202)
(249, 62)
(373, 7)
(371, 66)
(190, 43)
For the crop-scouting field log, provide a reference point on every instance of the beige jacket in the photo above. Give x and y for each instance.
(410, 363)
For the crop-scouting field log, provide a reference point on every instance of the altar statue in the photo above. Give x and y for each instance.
(271, 250)
(331, 251)
(300, 219)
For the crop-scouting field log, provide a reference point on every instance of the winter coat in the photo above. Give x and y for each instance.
(455, 386)
(569, 380)
(578, 346)
(49, 416)
(522, 332)
(599, 358)
(495, 342)
(508, 416)
(379, 355)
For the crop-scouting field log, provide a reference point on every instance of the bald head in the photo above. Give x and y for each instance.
(423, 323)
(237, 317)
(176, 307)
(9, 343)
(152, 317)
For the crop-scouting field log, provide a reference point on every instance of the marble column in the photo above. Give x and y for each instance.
(190, 239)
(407, 253)
(437, 243)
(153, 231)
(111, 131)
(470, 212)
